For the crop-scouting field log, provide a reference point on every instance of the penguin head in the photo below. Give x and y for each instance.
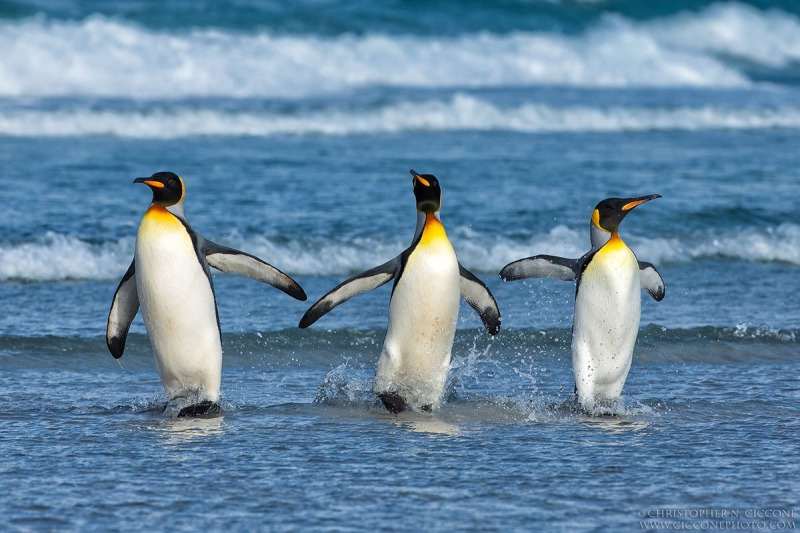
(609, 213)
(427, 192)
(167, 188)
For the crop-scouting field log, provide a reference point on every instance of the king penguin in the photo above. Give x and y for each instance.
(423, 310)
(607, 303)
(170, 279)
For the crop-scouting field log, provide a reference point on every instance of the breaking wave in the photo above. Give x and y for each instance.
(99, 56)
(58, 257)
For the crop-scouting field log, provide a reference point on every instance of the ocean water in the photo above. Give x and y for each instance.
(294, 125)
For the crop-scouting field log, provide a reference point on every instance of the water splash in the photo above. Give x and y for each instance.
(345, 385)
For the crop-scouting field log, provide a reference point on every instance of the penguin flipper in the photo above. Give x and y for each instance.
(238, 262)
(366, 281)
(478, 296)
(542, 266)
(123, 309)
(652, 281)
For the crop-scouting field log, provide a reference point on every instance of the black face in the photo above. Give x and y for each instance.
(167, 187)
(609, 213)
(427, 192)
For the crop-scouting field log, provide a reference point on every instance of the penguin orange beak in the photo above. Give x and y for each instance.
(638, 201)
(150, 183)
(418, 178)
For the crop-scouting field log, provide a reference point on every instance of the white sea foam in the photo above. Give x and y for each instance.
(769, 38)
(56, 257)
(457, 113)
(774, 244)
(778, 244)
(105, 57)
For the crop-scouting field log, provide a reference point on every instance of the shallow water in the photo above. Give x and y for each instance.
(506, 450)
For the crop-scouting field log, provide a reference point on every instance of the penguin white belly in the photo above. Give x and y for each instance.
(423, 314)
(606, 324)
(178, 308)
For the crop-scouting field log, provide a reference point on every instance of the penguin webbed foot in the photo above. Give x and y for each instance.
(396, 404)
(198, 409)
(393, 402)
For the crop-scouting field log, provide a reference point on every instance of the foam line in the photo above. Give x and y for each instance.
(461, 112)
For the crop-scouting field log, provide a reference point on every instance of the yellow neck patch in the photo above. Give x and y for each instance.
(160, 215)
(615, 242)
(433, 230)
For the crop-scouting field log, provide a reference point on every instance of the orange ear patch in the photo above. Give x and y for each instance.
(183, 189)
(596, 220)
